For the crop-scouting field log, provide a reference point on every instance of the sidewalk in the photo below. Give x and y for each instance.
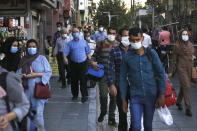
(63, 114)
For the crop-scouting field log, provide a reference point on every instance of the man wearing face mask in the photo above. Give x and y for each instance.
(79, 53)
(56, 35)
(100, 35)
(139, 70)
(59, 48)
(101, 55)
(114, 62)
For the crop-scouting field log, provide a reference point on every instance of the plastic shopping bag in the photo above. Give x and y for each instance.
(165, 115)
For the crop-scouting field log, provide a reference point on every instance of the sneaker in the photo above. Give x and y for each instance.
(179, 106)
(188, 112)
(101, 117)
(112, 123)
(84, 99)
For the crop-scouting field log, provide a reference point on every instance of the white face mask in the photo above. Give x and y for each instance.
(64, 35)
(185, 37)
(111, 37)
(101, 29)
(137, 45)
(125, 41)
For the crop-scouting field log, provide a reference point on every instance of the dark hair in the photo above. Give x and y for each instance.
(135, 31)
(59, 23)
(8, 44)
(165, 28)
(49, 36)
(144, 30)
(180, 35)
(123, 29)
(86, 32)
(32, 40)
(112, 28)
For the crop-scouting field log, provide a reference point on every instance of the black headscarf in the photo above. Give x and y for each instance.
(27, 60)
(11, 60)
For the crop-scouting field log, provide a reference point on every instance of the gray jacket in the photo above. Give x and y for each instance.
(18, 101)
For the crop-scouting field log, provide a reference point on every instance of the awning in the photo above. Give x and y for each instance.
(13, 7)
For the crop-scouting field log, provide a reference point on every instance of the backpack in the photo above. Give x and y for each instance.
(170, 96)
(27, 124)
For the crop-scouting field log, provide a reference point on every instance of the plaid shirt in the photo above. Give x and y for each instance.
(114, 62)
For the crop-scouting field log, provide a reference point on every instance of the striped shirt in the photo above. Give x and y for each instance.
(102, 52)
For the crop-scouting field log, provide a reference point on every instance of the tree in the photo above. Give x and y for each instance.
(115, 7)
(158, 4)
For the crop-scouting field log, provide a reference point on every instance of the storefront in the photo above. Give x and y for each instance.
(12, 20)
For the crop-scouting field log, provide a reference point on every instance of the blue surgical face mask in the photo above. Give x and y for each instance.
(13, 49)
(76, 35)
(58, 28)
(32, 51)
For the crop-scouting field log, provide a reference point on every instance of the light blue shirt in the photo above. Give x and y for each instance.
(39, 65)
(78, 50)
(100, 36)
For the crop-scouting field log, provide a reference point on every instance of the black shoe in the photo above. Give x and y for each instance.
(112, 123)
(188, 112)
(74, 98)
(84, 99)
(101, 117)
(64, 86)
(179, 106)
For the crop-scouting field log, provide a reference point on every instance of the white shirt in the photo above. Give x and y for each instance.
(147, 41)
(92, 45)
(60, 44)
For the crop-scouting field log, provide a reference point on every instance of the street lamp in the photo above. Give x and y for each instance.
(109, 16)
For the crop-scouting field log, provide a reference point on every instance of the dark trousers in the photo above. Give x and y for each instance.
(78, 74)
(122, 126)
(61, 67)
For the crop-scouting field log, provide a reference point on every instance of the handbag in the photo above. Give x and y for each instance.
(42, 91)
(194, 74)
(95, 75)
(170, 96)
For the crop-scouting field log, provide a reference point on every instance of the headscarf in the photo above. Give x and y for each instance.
(11, 60)
(27, 60)
(184, 44)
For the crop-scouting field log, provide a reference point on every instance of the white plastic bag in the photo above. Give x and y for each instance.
(165, 115)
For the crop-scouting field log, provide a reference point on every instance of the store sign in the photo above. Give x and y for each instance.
(81, 5)
(13, 7)
(67, 5)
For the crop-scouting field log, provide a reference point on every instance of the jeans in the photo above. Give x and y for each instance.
(145, 106)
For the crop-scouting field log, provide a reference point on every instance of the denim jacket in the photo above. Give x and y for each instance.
(141, 74)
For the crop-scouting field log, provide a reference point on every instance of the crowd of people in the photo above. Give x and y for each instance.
(129, 74)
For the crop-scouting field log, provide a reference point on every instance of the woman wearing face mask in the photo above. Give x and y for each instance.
(12, 56)
(34, 68)
(183, 55)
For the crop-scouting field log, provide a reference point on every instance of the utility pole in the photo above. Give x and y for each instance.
(132, 12)
(153, 16)
(109, 16)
